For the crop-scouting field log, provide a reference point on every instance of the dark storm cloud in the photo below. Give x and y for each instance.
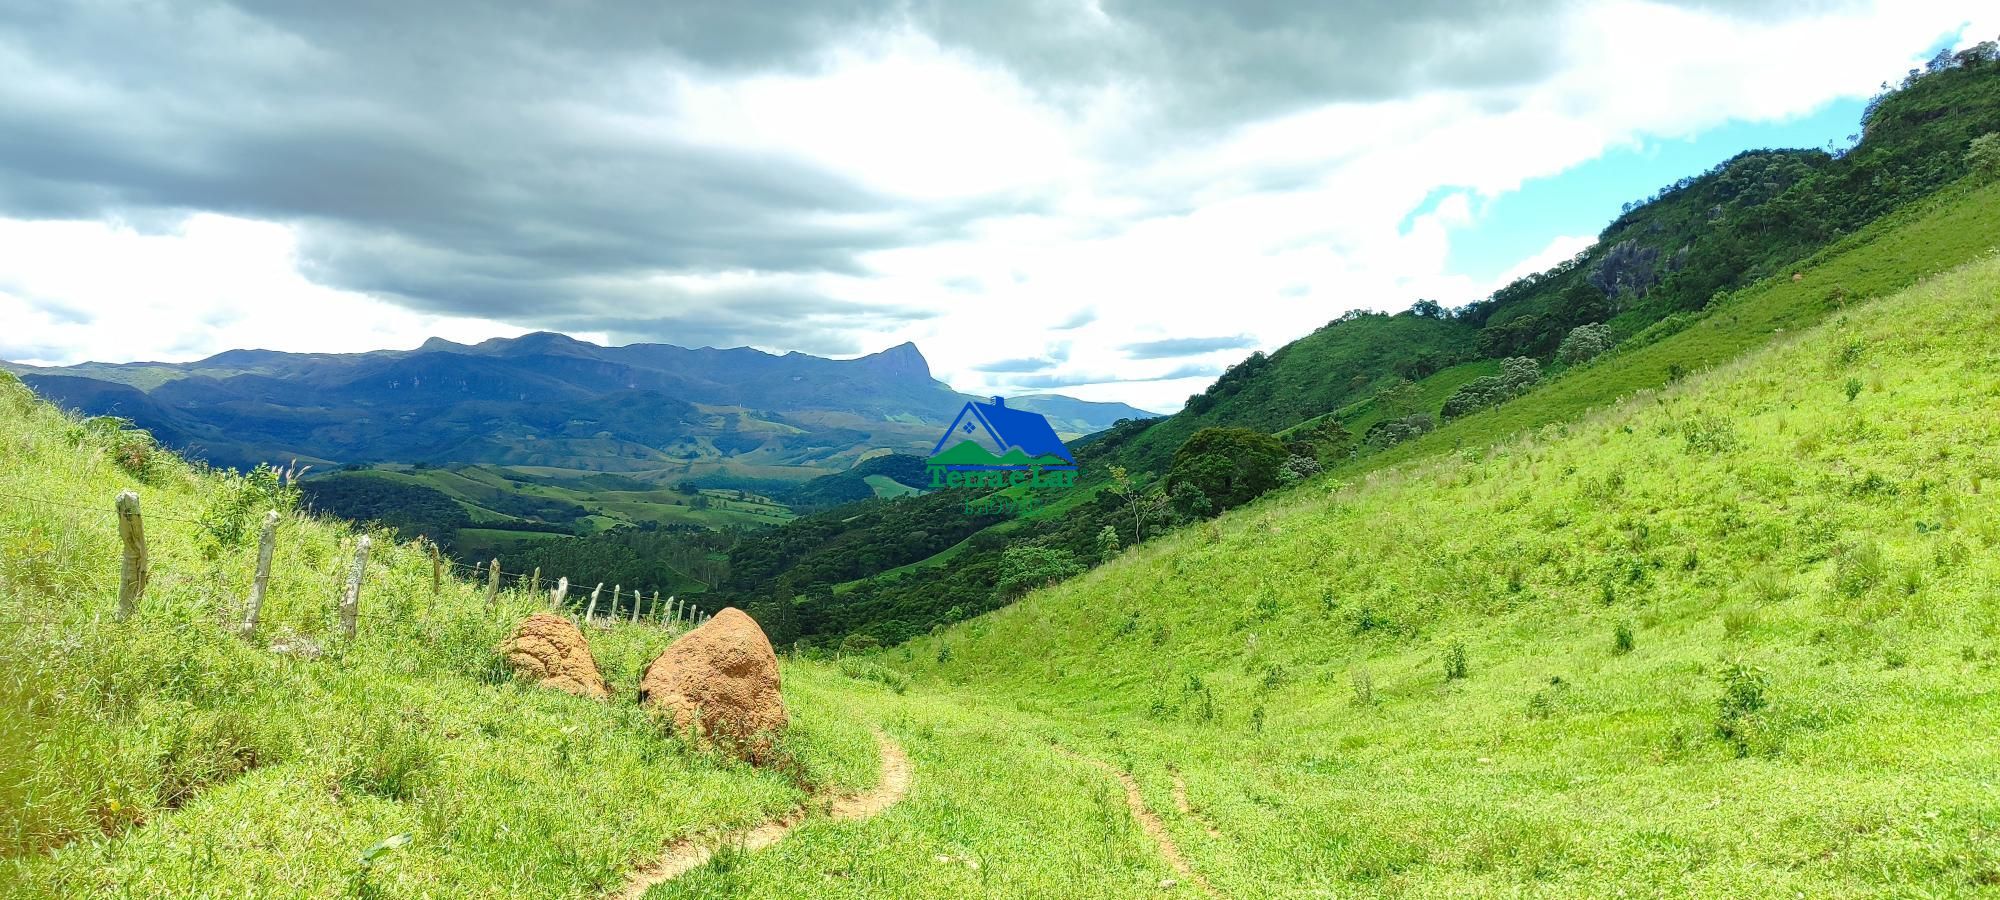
(1169, 347)
(512, 161)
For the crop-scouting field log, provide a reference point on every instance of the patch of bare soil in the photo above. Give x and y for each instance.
(690, 853)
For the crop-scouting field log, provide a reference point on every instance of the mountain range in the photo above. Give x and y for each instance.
(543, 400)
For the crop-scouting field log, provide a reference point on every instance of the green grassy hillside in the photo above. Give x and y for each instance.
(1735, 637)
(166, 757)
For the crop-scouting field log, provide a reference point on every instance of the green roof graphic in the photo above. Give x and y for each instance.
(969, 453)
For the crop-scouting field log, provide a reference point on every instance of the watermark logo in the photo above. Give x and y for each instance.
(990, 445)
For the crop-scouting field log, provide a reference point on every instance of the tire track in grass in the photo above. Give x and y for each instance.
(1149, 821)
(690, 853)
(1181, 803)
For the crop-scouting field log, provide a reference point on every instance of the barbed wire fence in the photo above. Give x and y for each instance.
(346, 581)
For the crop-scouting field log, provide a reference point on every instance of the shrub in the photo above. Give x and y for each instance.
(1364, 688)
(1390, 432)
(1517, 376)
(1743, 699)
(864, 670)
(1454, 661)
(1984, 154)
(1858, 569)
(389, 758)
(859, 642)
(1708, 434)
(1023, 569)
(1621, 639)
(1200, 702)
(1542, 704)
(1297, 469)
(1736, 620)
(1853, 389)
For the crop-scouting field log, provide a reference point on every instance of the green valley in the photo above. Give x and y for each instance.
(1731, 635)
(1670, 568)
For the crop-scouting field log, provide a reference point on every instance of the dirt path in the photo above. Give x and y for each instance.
(1181, 803)
(1148, 820)
(690, 853)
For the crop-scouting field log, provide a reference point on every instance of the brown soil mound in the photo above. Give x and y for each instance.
(550, 650)
(720, 681)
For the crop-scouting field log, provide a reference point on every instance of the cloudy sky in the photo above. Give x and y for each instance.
(1108, 199)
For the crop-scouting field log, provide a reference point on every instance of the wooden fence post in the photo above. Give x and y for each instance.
(493, 584)
(437, 572)
(133, 569)
(535, 581)
(591, 610)
(659, 612)
(350, 603)
(612, 613)
(561, 593)
(267, 544)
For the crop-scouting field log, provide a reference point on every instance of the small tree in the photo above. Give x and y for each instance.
(1298, 468)
(1517, 376)
(1984, 155)
(1123, 486)
(1107, 542)
(1584, 343)
(1230, 466)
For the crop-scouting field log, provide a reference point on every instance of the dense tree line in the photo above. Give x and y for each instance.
(413, 510)
(680, 559)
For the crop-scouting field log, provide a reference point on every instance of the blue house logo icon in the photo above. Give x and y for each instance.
(992, 445)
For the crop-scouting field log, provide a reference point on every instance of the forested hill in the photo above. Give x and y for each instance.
(1746, 218)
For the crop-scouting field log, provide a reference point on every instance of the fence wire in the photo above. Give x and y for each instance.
(335, 582)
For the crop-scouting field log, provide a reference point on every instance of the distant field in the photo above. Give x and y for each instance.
(487, 492)
(473, 541)
(889, 487)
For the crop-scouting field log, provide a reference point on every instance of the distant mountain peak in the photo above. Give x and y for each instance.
(535, 343)
(902, 359)
(441, 345)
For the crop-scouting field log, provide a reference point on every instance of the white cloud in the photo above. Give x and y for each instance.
(1270, 229)
(77, 291)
